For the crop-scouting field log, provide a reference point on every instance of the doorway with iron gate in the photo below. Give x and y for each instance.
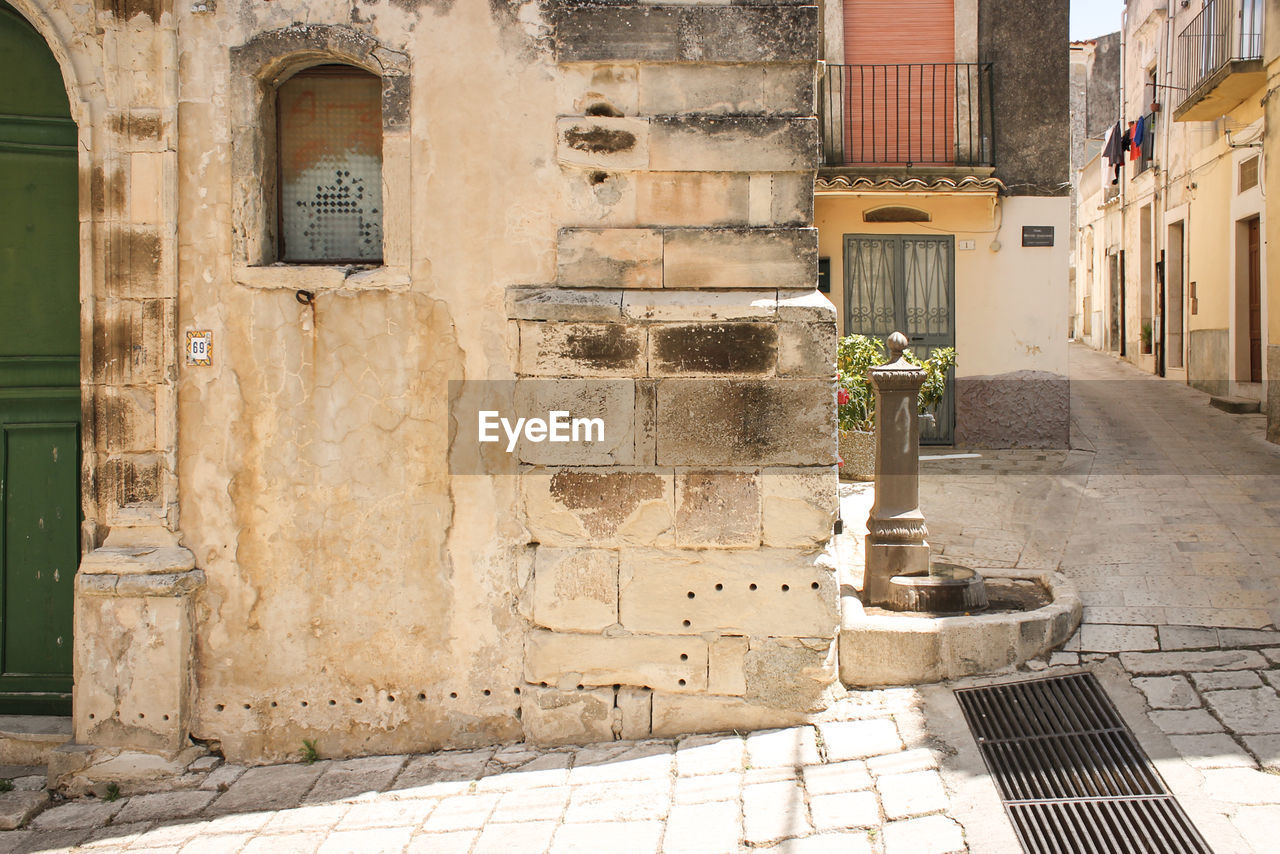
(39, 374)
(907, 283)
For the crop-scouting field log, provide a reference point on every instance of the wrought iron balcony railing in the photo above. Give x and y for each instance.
(1224, 35)
(928, 114)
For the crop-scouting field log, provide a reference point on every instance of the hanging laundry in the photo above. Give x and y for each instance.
(1135, 139)
(1112, 151)
(1139, 130)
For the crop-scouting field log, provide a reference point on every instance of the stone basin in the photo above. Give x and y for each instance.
(882, 648)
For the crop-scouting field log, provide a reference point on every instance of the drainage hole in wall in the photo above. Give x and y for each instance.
(486, 692)
(681, 683)
(304, 704)
(422, 697)
(246, 705)
(751, 587)
(141, 716)
(786, 587)
(391, 698)
(684, 656)
(219, 707)
(517, 690)
(90, 716)
(814, 585)
(719, 587)
(166, 717)
(453, 695)
(359, 699)
(274, 704)
(581, 687)
(690, 594)
(333, 702)
(687, 624)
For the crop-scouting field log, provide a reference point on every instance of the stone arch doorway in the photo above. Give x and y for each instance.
(40, 409)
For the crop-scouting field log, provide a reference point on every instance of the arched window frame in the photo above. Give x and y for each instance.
(258, 67)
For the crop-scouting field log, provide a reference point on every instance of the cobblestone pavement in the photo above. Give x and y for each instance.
(865, 782)
(1165, 514)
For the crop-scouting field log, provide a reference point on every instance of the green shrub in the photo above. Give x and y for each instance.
(856, 399)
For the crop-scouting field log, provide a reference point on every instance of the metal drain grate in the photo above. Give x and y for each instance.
(1071, 775)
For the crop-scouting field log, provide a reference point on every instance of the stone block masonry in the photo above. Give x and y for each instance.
(689, 577)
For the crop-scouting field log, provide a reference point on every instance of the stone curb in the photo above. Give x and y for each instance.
(893, 650)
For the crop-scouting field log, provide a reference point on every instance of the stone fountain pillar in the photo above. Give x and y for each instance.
(896, 532)
(899, 575)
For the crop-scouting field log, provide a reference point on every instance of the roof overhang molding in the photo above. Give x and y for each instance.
(863, 184)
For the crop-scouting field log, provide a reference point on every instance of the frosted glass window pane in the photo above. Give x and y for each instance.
(331, 167)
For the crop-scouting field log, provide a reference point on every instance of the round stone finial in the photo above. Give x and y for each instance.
(897, 343)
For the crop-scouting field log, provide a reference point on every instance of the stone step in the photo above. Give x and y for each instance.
(18, 807)
(1235, 405)
(29, 739)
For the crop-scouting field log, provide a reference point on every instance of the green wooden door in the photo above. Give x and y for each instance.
(39, 375)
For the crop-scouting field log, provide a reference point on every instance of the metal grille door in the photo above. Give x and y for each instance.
(905, 283)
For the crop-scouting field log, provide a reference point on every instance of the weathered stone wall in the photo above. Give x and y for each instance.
(678, 581)
(287, 545)
(1031, 91)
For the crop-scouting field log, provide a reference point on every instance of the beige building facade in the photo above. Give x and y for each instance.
(291, 530)
(942, 205)
(1174, 251)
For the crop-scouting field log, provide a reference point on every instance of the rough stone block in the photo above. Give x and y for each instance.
(586, 32)
(602, 507)
(798, 506)
(1168, 692)
(727, 90)
(1246, 710)
(791, 673)
(575, 589)
(701, 306)
(717, 509)
(612, 401)
(740, 257)
(129, 341)
(790, 199)
(601, 199)
(603, 142)
(726, 671)
(610, 257)
(764, 592)
(132, 659)
(563, 304)
(126, 419)
(713, 349)
(805, 305)
(677, 714)
(869, 656)
(806, 349)
(551, 716)
(1144, 663)
(738, 144)
(663, 663)
(606, 89)
(581, 349)
(746, 422)
(691, 198)
(635, 708)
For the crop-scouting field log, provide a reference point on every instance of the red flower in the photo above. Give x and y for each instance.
(842, 396)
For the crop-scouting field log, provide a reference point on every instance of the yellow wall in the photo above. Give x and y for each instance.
(1011, 301)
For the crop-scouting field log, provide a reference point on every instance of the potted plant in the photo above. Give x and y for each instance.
(1146, 338)
(856, 399)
